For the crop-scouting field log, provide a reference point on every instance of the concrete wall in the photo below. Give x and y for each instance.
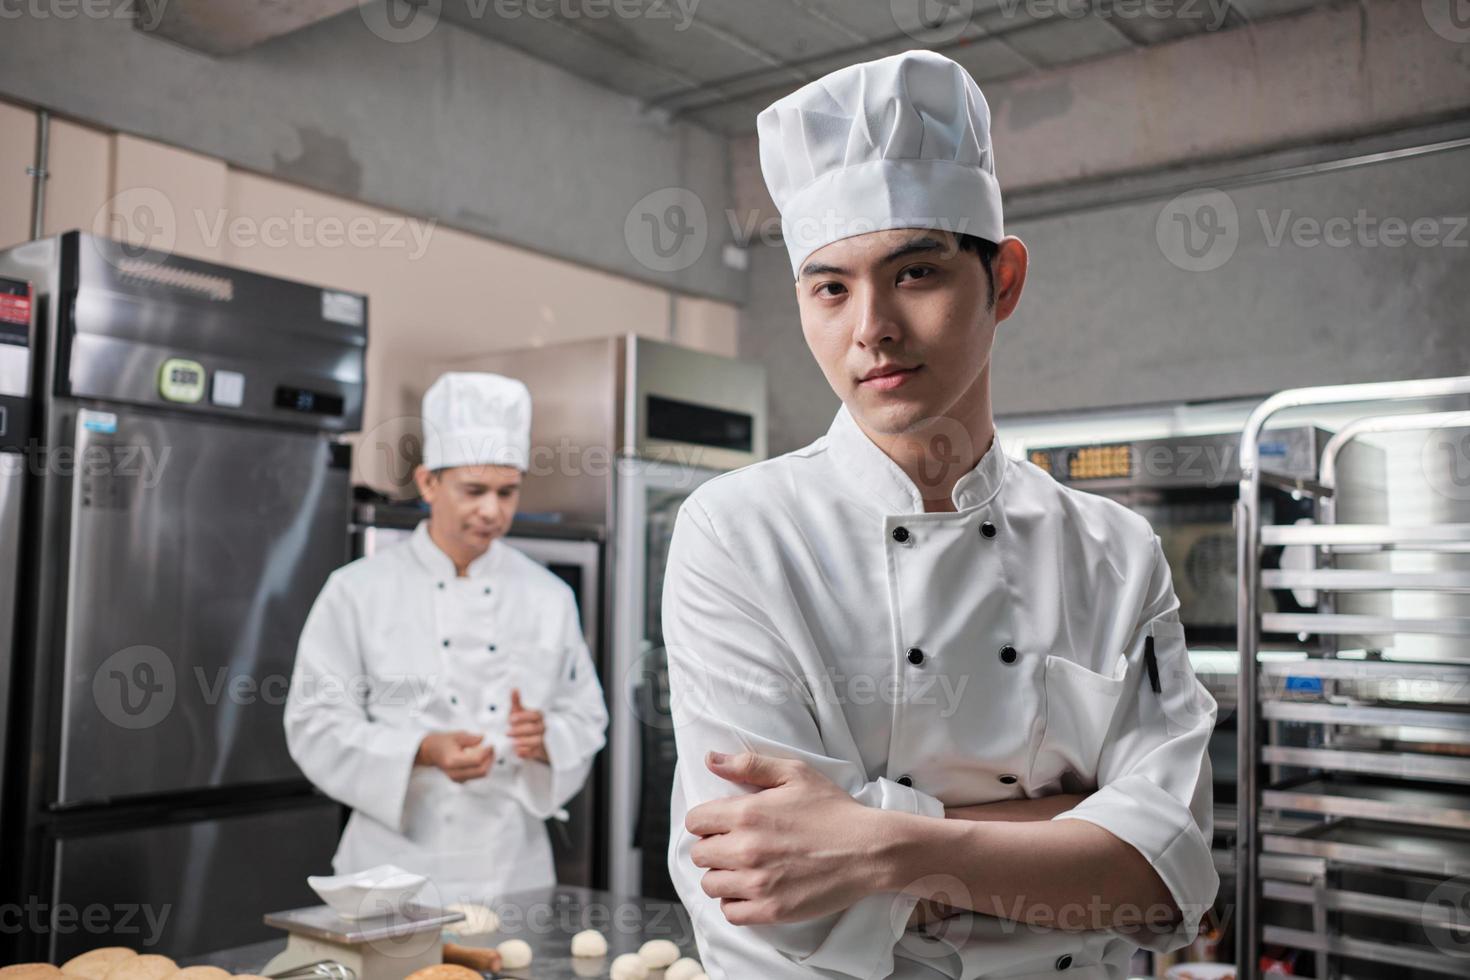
(435, 294)
(450, 127)
(1116, 312)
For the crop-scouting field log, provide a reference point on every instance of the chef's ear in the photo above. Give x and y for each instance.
(427, 481)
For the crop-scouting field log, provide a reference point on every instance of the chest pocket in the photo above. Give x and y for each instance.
(1080, 705)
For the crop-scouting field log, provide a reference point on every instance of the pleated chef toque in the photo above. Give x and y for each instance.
(901, 142)
(477, 420)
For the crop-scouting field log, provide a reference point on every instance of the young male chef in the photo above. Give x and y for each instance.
(442, 687)
(907, 670)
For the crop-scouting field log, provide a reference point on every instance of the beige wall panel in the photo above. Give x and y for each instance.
(17, 152)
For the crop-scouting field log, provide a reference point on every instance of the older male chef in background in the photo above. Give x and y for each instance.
(905, 668)
(442, 688)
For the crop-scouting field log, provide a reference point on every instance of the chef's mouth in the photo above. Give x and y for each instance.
(890, 380)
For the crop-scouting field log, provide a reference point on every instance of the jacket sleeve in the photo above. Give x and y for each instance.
(576, 723)
(329, 726)
(736, 687)
(1154, 782)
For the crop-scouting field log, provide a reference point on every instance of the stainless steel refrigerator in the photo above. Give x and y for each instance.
(187, 497)
(623, 429)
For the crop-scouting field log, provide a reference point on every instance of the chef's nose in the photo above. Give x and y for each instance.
(877, 320)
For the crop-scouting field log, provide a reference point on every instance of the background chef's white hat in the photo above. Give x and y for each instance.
(902, 142)
(477, 420)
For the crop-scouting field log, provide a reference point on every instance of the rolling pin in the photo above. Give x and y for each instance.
(475, 957)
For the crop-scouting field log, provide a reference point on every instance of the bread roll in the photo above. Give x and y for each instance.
(658, 953)
(30, 971)
(477, 921)
(201, 973)
(629, 966)
(94, 964)
(685, 969)
(445, 971)
(515, 954)
(146, 967)
(589, 944)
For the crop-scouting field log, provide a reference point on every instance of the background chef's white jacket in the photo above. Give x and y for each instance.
(397, 646)
(798, 593)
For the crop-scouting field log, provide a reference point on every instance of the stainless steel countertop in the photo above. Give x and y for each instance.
(546, 918)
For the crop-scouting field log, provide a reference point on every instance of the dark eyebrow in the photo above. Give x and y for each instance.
(911, 247)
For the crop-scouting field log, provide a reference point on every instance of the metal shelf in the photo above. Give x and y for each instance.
(1404, 765)
(1384, 801)
(1367, 670)
(1446, 916)
(1340, 623)
(1326, 713)
(1396, 954)
(1428, 536)
(1356, 580)
(1386, 788)
(1375, 844)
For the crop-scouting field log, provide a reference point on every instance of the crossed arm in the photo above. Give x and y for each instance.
(801, 847)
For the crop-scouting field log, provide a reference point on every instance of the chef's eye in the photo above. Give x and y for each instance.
(837, 289)
(919, 271)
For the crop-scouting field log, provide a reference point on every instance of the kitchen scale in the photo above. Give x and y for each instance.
(385, 947)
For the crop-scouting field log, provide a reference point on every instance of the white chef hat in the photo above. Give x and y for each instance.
(477, 420)
(901, 142)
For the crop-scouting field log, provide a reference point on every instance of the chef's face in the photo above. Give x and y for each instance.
(470, 506)
(901, 323)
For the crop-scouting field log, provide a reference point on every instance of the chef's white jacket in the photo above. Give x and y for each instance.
(813, 611)
(397, 646)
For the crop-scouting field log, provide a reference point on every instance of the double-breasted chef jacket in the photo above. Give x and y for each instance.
(813, 611)
(396, 647)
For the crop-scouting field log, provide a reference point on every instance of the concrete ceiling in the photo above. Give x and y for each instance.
(719, 62)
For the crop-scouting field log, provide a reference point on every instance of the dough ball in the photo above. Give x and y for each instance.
(477, 921)
(589, 943)
(685, 969)
(445, 971)
(29, 971)
(94, 964)
(515, 954)
(658, 953)
(201, 973)
(629, 966)
(146, 967)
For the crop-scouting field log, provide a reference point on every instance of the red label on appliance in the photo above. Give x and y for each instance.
(15, 309)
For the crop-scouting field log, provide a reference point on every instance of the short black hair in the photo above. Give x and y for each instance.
(987, 250)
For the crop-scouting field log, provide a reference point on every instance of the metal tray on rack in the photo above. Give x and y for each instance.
(1450, 717)
(1386, 800)
(1431, 850)
(1400, 955)
(1401, 765)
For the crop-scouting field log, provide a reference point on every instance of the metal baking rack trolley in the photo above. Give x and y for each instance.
(1355, 857)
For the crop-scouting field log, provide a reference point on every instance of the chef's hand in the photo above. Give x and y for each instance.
(527, 730)
(459, 754)
(797, 849)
